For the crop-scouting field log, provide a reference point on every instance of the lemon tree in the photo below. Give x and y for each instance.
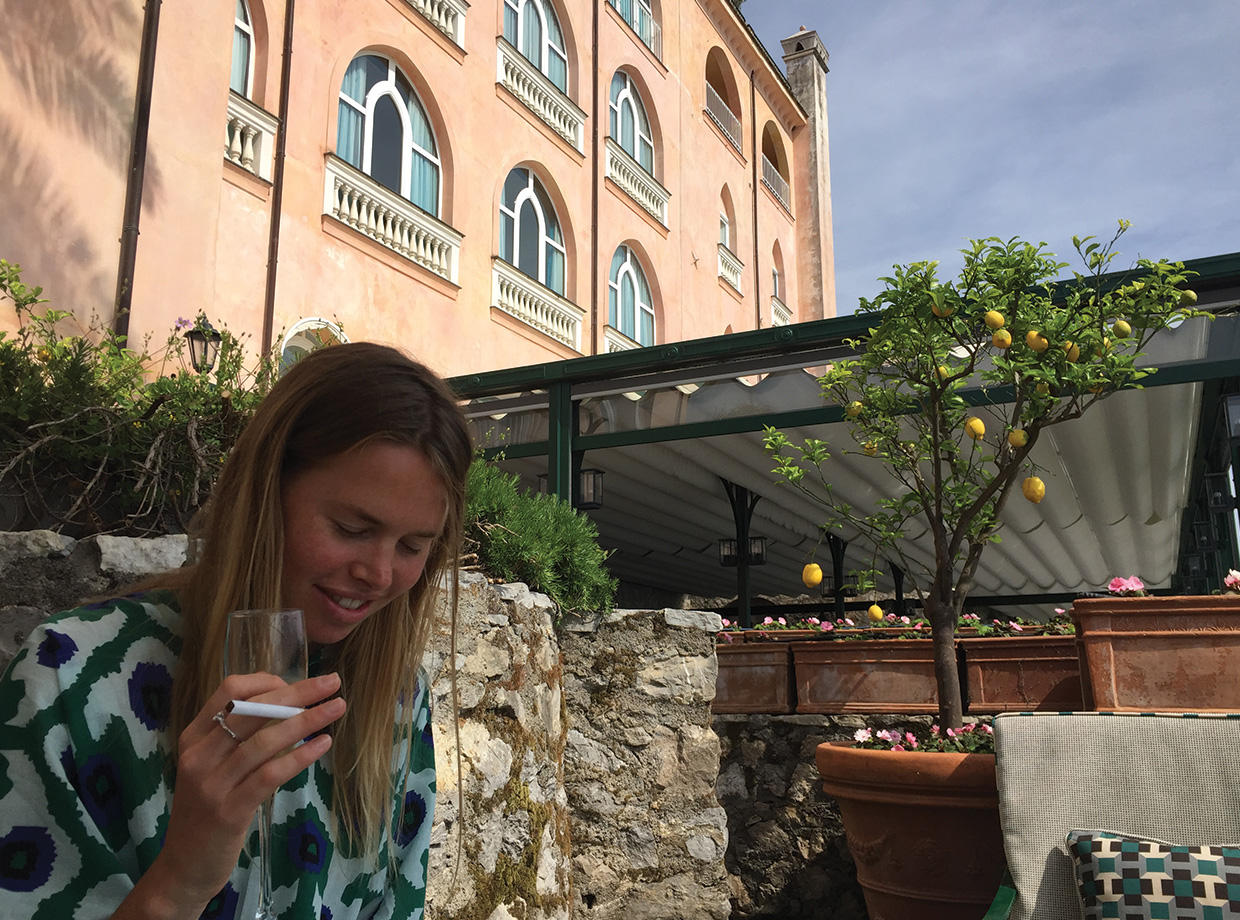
(1064, 347)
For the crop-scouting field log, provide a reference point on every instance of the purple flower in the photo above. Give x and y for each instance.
(55, 649)
(27, 855)
(182, 323)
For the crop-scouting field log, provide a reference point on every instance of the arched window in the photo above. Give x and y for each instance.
(529, 232)
(242, 80)
(630, 127)
(533, 29)
(384, 131)
(628, 298)
(777, 273)
(308, 335)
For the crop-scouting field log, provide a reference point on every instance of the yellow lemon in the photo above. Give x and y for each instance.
(812, 575)
(1121, 329)
(1043, 388)
(1033, 489)
(1073, 351)
(853, 409)
(974, 427)
(943, 372)
(875, 613)
(942, 312)
(1188, 298)
(994, 319)
(1001, 339)
(1102, 347)
(1018, 437)
(1037, 341)
(871, 449)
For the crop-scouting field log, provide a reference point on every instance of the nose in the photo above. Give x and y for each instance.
(374, 569)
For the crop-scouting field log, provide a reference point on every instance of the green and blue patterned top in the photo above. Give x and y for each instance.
(85, 793)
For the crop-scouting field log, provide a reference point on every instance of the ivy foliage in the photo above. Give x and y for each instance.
(537, 539)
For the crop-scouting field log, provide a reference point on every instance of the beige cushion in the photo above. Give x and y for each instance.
(1169, 777)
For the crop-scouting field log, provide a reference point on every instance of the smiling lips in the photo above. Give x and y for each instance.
(348, 603)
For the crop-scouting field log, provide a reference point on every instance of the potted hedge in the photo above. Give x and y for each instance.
(1055, 352)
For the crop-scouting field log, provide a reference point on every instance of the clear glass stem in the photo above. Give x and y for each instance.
(264, 911)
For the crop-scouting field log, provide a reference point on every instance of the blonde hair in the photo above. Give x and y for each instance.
(333, 400)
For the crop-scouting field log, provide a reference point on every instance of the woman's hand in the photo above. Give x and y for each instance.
(220, 783)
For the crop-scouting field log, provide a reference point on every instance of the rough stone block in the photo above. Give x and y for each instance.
(129, 557)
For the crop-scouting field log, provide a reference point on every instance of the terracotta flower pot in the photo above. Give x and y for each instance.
(754, 677)
(1160, 654)
(1021, 674)
(865, 675)
(923, 829)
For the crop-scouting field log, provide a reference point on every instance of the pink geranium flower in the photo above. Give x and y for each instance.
(1126, 587)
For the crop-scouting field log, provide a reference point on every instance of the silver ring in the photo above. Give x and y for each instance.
(218, 719)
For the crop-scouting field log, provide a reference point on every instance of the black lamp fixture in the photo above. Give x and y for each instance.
(728, 556)
(204, 344)
(589, 489)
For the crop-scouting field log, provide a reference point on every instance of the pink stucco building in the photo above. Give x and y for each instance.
(486, 185)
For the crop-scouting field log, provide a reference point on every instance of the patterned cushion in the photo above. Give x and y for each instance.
(1129, 878)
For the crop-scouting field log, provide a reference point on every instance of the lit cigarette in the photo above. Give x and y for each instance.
(262, 710)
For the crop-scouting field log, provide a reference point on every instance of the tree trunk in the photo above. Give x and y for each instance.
(942, 617)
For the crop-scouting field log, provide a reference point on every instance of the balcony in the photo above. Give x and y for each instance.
(729, 267)
(775, 182)
(353, 198)
(642, 187)
(536, 305)
(614, 340)
(780, 314)
(448, 16)
(541, 96)
(722, 116)
(249, 137)
(642, 22)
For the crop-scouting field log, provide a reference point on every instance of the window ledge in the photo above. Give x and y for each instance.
(540, 95)
(536, 305)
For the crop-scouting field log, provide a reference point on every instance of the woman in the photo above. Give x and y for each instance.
(121, 793)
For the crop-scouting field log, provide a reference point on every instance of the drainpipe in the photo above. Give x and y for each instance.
(277, 186)
(137, 169)
(753, 143)
(594, 330)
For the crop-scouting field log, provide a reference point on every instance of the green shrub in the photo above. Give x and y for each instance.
(536, 539)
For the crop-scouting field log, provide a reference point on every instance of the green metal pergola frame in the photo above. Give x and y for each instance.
(1217, 282)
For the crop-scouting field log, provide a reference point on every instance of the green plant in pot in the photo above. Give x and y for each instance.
(1038, 354)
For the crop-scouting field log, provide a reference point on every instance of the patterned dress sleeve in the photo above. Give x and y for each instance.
(405, 897)
(83, 792)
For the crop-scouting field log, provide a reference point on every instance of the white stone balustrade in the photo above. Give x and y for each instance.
(642, 187)
(614, 340)
(355, 199)
(780, 314)
(540, 95)
(643, 23)
(536, 305)
(722, 116)
(775, 182)
(730, 267)
(448, 16)
(249, 136)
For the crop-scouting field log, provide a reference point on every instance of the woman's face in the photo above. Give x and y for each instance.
(357, 532)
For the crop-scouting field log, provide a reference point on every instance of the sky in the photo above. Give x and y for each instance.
(1041, 119)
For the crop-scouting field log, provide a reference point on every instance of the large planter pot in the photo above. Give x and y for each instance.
(754, 677)
(1160, 654)
(1021, 674)
(865, 675)
(923, 829)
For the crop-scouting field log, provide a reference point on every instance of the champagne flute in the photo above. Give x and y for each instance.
(271, 641)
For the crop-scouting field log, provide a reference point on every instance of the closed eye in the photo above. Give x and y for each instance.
(350, 532)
